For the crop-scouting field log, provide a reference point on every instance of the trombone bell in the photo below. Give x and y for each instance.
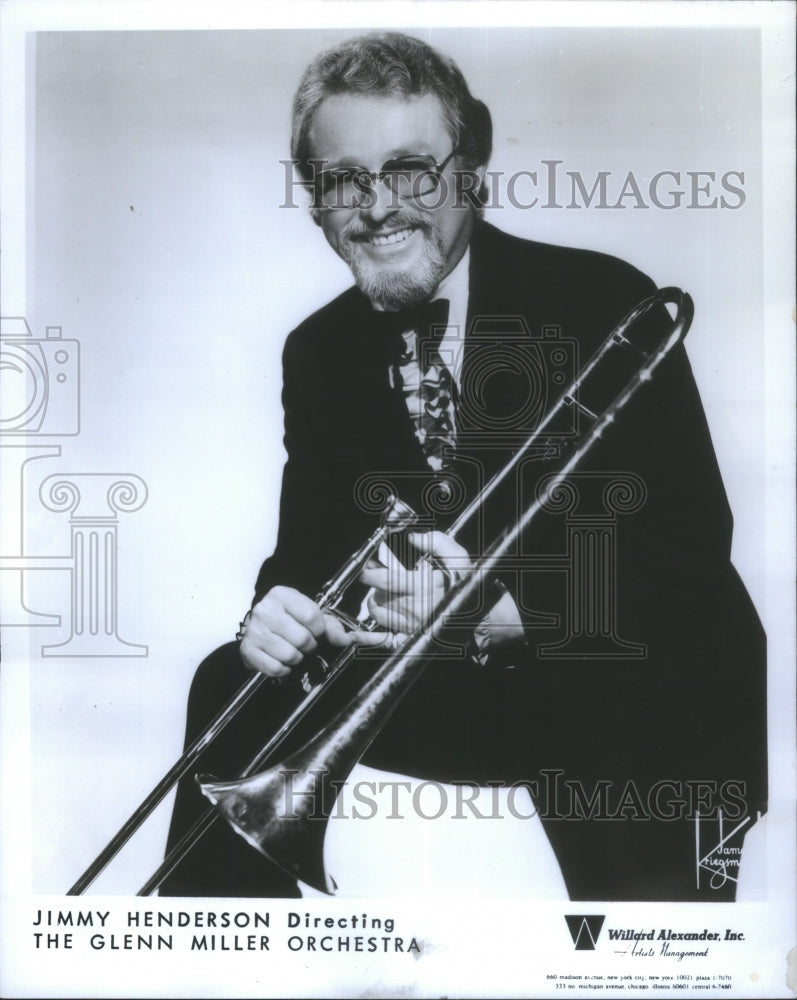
(277, 812)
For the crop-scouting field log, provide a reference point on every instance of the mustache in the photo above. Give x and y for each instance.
(404, 219)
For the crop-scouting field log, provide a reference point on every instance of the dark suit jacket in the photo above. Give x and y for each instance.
(691, 709)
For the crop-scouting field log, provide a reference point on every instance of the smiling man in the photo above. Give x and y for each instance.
(398, 250)
(420, 380)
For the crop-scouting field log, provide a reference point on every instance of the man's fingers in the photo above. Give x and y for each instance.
(280, 649)
(388, 618)
(284, 626)
(275, 632)
(443, 548)
(336, 633)
(339, 636)
(402, 598)
(390, 581)
(397, 580)
(300, 608)
(385, 639)
(256, 659)
(297, 636)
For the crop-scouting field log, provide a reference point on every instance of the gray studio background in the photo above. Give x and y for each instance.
(158, 242)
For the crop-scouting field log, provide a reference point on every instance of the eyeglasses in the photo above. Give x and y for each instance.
(407, 177)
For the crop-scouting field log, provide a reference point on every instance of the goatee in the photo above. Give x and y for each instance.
(387, 288)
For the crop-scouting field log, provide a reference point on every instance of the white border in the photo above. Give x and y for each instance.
(776, 20)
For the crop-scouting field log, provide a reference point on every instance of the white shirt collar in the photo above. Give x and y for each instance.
(454, 287)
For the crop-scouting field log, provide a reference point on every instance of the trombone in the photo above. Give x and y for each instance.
(252, 804)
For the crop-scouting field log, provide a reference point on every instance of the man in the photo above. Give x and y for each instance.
(414, 381)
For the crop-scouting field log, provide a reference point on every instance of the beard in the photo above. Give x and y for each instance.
(385, 287)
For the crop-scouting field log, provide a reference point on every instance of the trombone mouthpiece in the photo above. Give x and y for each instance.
(397, 515)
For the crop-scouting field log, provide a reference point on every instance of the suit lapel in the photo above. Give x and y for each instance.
(503, 379)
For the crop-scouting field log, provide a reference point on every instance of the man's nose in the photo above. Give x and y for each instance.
(379, 202)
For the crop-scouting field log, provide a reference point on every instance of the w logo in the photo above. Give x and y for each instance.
(585, 930)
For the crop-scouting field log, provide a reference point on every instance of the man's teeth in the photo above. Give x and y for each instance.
(397, 237)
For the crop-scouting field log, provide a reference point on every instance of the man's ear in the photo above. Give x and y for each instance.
(315, 215)
(481, 171)
(469, 184)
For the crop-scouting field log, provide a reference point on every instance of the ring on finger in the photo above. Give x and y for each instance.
(390, 641)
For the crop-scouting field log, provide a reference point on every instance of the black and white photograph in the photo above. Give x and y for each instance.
(397, 446)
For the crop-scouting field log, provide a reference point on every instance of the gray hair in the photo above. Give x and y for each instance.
(390, 64)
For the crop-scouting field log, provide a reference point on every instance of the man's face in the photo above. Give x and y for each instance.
(398, 249)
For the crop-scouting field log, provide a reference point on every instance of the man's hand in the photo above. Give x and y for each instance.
(403, 599)
(285, 626)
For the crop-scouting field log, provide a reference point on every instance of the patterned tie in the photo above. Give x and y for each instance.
(420, 374)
